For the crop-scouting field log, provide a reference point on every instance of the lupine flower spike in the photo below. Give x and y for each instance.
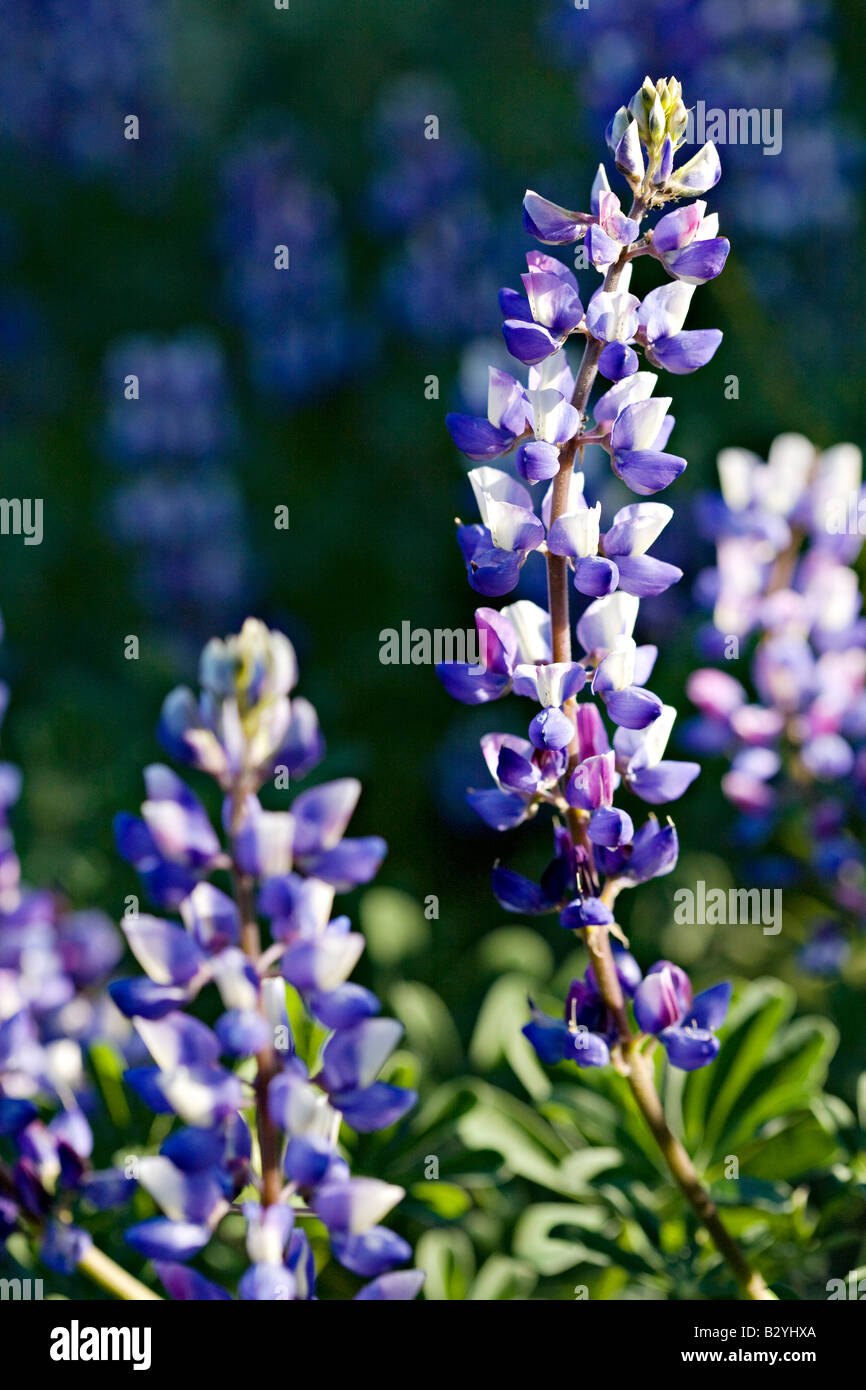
(569, 760)
(788, 533)
(259, 1115)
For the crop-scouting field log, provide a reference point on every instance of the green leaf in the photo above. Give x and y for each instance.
(430, 1030)
(502, 1278)
(497, 1036)
(394, 925)
(516, 949)
(448, 1261)
(446, 1199)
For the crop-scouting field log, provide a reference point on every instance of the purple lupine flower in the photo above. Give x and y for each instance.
(568, 761)
(429, 207)
(54, 963)
(793, 728)
(286, 277)
(170, 426)
(285, 867)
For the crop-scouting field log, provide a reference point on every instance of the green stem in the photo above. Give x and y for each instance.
(110, 1276)
(626, 1054)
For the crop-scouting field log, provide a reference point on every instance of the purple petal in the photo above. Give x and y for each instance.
(685, 352)
(529, 343)
(632, 708)
(477, 438)
(550, 223)
(161, 1239)
(667, 781)
(645, 576)
(646, 471)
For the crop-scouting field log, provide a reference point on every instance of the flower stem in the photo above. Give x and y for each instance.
(630, 1060)
(110, 1276)
(266, 1061)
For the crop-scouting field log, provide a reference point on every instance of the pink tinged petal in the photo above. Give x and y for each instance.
(677, 229)
(657, 1004)
(493, 744)
(551, 223)
(756, 725)
(497, 639)
(593, 783)
(541, 263)
(749, 794)
(591, 734)
(715, 693)
(601, 249)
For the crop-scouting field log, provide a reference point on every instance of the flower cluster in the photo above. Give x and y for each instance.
(170, 425)
(285, 270)
(788, 533)
(53, 966)
(427, 201)
(784, 51)
(285, 866)
(71, 74)
(568, 761)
